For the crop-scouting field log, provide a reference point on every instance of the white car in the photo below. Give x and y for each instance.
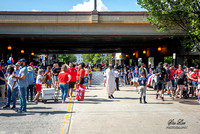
(153, 82)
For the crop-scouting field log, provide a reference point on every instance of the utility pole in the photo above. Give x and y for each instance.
(95, 5)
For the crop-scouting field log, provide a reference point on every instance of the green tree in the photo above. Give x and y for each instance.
(66, 57)
(108, 59)
(97, 59)
(88, 58)
(168, 59)
(170, 15)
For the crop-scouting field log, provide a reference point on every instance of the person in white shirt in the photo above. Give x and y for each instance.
(11, 87)
(116, 78)
(38, 85)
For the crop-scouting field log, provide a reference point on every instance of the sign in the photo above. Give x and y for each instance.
(174, 56)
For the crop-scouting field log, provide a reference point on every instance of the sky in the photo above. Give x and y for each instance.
(69, 5)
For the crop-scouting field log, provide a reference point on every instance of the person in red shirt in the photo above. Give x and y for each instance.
(80, 74)
(72, 71)
(172, 70)
(64, 79)
(179, 81)
(47, 76)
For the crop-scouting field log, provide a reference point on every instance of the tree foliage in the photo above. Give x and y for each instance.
(97, 59)
(66, 58)
(169, 15)
(88, 58)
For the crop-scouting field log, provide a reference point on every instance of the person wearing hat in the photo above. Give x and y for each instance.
(110, 82)
(22, 85)
(30, 83)
(142, 82)
(161, 79)
(32, 65)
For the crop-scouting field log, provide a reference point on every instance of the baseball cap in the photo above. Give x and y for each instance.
(31, 63)
(22, 60)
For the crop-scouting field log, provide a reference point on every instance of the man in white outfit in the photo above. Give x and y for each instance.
(110, 82)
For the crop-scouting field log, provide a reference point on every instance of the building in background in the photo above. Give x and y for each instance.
(79, 58)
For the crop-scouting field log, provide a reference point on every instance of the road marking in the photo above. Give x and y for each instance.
(67, 116)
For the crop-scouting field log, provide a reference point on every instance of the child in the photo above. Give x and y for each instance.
(86, 80)
(142, 82)
(38, 85)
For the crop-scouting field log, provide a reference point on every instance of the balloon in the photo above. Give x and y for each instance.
(13, 61)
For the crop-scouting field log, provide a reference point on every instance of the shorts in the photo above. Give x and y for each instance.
(168, 85)
(55, 78)
(160, 85)
(194, 84)
(180, 82)
(49, 82)
(71, 84)
(90, 76)
(173, 83)
(2, 88)
(135, 79)
(38, 87)
(104, 77)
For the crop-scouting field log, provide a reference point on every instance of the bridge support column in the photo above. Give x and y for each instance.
(158, 59)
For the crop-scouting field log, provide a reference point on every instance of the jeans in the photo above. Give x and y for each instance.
(11, 95)
(22, 94)
(30, 88)
(64, 90)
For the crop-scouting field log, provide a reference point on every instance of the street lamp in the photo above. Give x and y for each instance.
(159, 48)
(144, 52)
(127, 55)
(22, 51)
(9, 47)
(32, 53)
(133, 54)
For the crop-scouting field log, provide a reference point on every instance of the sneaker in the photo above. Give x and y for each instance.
(36, 102)
(109, 97)
(112, 96)
(145, 102)
(156, 96)
(13, 107)
(140, 101)
(162, 98)
(24, 111)
(18, 110)
(6, 106)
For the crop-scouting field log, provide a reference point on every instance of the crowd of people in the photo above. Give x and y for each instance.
(25, 81)
(180, 82)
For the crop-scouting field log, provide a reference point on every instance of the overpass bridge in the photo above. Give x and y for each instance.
(85, 32)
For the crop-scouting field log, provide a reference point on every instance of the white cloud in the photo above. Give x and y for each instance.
(36, 10)
(89, 6)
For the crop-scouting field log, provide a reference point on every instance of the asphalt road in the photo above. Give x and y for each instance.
(99, 115)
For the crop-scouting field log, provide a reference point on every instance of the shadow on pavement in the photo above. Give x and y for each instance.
(189, 102)
(126, 98)
(14, 114)
(48, 112)
(39, 108)
(159, 103)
